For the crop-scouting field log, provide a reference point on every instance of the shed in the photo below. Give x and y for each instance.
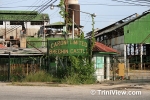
(101, 57)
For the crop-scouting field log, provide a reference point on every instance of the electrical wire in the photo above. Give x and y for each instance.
(14, 27)
(137, 2)
(86, 21)
(54, 12)
(40, 10)
(98, 4)
(12, 2)
(132, 3)
(35, 3)
(96, 21)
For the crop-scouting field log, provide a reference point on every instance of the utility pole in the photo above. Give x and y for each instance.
(44, 32)
(5, 30)
(73, 24)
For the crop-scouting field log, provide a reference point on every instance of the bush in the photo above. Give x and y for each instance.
(40, 76)
(17, 74)
(72, 79)
(79, 71)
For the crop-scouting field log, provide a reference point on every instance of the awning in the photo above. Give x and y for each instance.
(99, 47)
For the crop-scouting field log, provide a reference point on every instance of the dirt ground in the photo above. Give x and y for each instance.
(109, 85)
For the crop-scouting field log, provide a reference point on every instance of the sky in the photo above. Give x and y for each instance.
(107, 11)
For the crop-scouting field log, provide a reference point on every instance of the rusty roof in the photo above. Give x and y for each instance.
(99, 47)
(2, 46)
(118, 24)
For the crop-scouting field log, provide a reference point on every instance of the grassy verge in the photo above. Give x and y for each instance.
(40, 76)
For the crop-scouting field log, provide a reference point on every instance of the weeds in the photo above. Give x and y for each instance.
(40, 76)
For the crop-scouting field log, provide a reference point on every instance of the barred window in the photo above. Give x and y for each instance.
(1, 22)
(37, 22)
(16, 22)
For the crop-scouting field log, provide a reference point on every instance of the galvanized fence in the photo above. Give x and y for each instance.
(20, 66)
(133, 74)
(3, 69)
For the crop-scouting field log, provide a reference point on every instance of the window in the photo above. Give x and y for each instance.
(97, 39)
(37, 22)
(16, 22)
(1, 22)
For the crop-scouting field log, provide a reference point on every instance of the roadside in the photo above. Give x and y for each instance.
(107, 85)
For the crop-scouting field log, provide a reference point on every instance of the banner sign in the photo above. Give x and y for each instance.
(68, 47)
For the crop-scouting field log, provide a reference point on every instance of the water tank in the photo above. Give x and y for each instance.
(72, 1)
(76, 8)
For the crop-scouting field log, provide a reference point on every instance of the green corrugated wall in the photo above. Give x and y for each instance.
(137, 31)
(6, 15)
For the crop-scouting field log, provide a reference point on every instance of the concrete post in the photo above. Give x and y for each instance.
(141, 54)
(125, 59)
(107, 68)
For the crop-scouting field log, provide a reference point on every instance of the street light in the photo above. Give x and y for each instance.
(51, 7)
(94, 15)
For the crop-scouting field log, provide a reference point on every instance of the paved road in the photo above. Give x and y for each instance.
(8, 92)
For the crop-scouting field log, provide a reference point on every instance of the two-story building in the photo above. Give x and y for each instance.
(15, 23)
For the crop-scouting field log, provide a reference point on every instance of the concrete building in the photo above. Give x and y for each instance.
(14, 24)
(130, 36)
(102, 56)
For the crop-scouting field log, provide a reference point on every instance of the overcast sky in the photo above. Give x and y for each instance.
(107, 11)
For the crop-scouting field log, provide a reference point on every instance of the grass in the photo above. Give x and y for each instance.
(34, 84)
(40, 76)
(76, 80)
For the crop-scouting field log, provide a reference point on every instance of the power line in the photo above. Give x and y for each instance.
(86, 21)
(14, 27)
(39, 11)
(12, 2)
(22, 6)
(141, 1)
(133, 4)
(54, 12)
(96, 21)
(35, 3)
(138, 2)
(98, 4)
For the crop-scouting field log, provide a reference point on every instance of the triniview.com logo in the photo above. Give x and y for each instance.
(114, 92)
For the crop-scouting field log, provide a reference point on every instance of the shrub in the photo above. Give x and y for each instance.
(40, 76)
(79, 71)
(17, 74)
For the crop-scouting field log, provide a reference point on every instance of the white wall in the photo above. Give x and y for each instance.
(99, 73)
(30, 29)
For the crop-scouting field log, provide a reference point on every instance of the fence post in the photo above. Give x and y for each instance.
(9, 68)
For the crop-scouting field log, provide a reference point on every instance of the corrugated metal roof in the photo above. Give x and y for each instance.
(99, 47)
(20, 51)
(118, 24)
(60, 25)
(18, 12)
(6, 15)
